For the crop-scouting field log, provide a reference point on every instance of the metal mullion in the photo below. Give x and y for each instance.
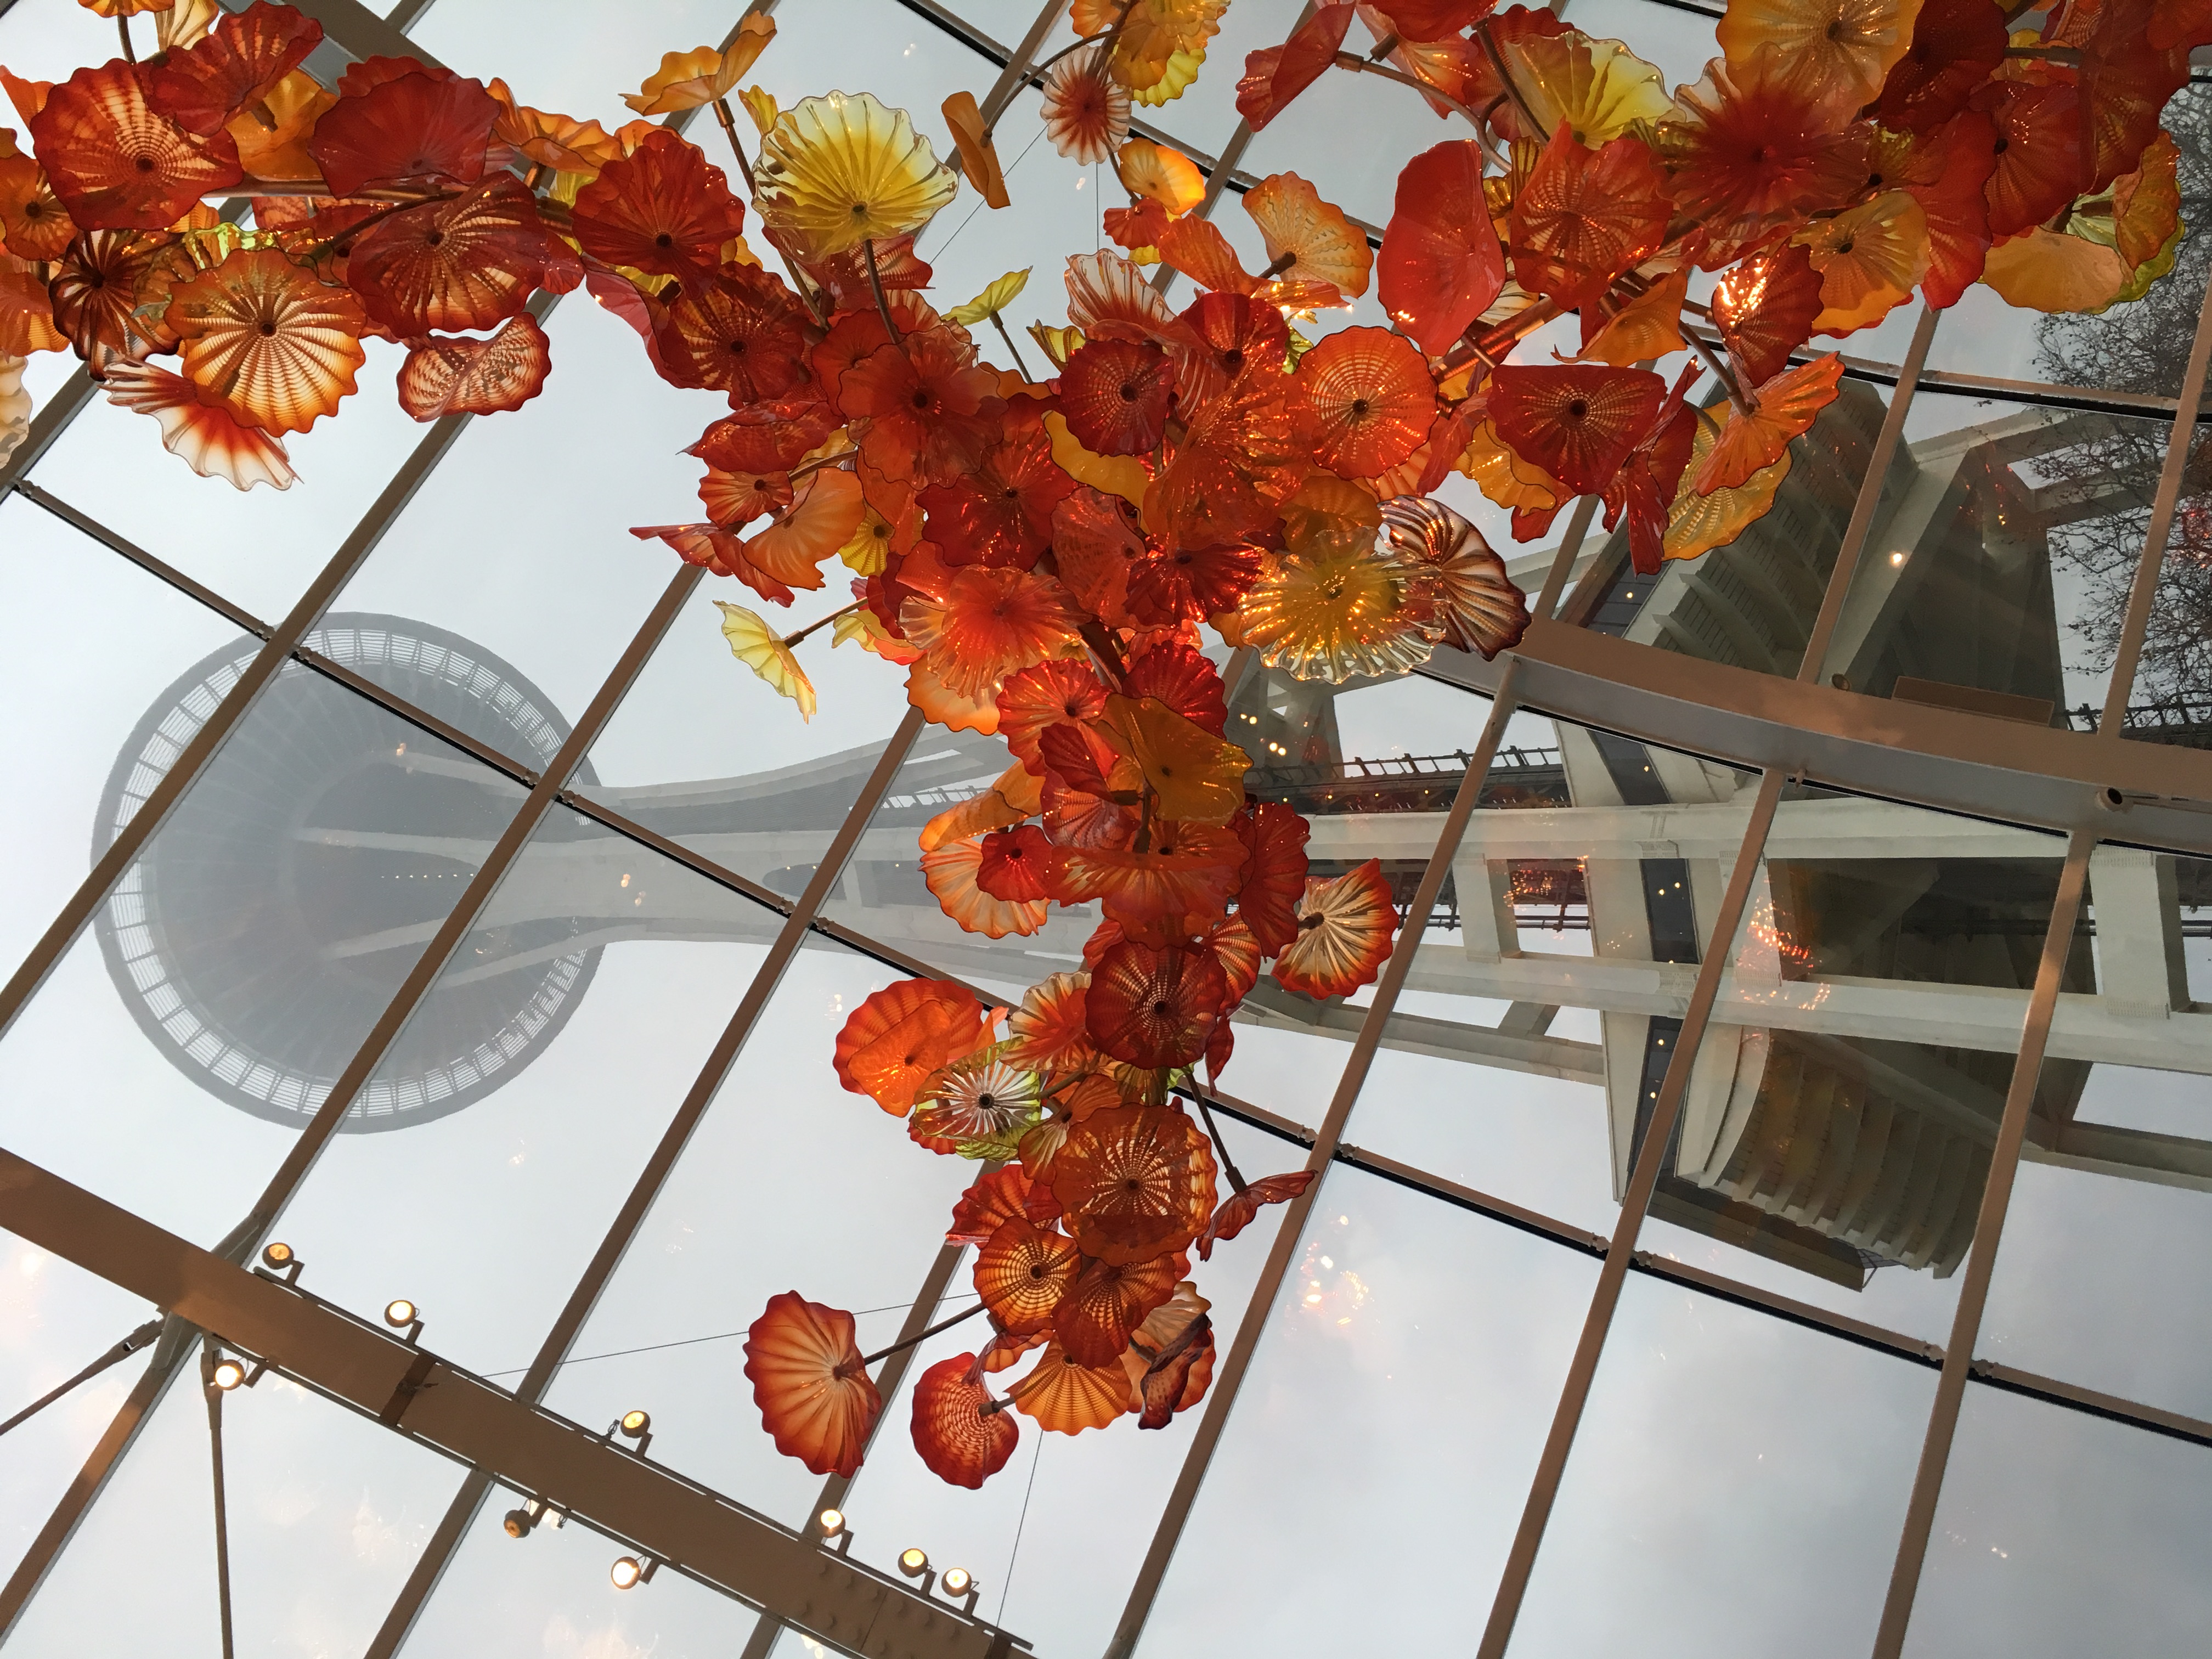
(1236, 1364)
(95, 531)
(677, 853)
(432, 1564)
(47, 426)
(1989, 1228)
(2144, 590)
(1597, 1324)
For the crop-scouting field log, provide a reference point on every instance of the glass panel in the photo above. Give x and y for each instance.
(55, 1320)
(1373, 1472)
(2097, 1281)
(1727, 1459)
(80, 691)
(1837, 1132)
(327, 1512)
(2061, 1534)
(579, 63)
(1106, 1489)
(754, 787)
(550, 1595)
(568, 1026)
(2000, 560)
(789, 1182)
(498, 547)
(1752, 603)
(259, 548)
(244, 958)
(1559, 964)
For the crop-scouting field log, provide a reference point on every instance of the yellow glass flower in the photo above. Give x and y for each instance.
(1697, 524)
(1870, 258)
(1331, 615)
(1597, 89)
(1320, 243)
(761, 649)
(1847, 44)
(840, 170)
(1167, 176)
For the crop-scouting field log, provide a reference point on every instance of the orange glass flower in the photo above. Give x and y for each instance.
(964, 1435)
(893, 1042)
(1136, 1182)
(417, 128)
(241, 60)
(206, 436)
(1307, 239)
(1105, 1302)
(816, 1399)
(951, 871)
(33, 224)
(109, 294)
(1066, 1398)
(1023, 1271)
(917, 411)
(1345, 924)
(1576, 423)
(116, 162)
(1237, 1212)
(1274, 837)
(1154, 1007)
(663, 209)
(1228, 331)
(1000, 514)
(1785, 406)
(1441, 264)
(477, 377)
(468, 263)
(1050, 1031)
(741, 331)
(1170, 673)
(991, 1199)
(1368, 400)
(1478, 608)
(1116, 395)
(278, 347)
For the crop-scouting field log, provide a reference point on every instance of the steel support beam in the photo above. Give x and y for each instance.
(438, 1405)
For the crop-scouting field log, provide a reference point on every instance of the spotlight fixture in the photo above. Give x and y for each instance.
(519, 1522)
(628, 1572)
(832, 1521)
(280, 1258)
(957, 1580)
(635, 1424)
(914, 1563)
(402, 1314)
(227, 1374)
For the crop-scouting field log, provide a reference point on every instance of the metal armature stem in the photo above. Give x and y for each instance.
(208, 1357)
(1981, 1262)
(622, 1229)
(1506, 79)
(1236, 1363)
(130, 1345)
(876, 287)
(1020, 367)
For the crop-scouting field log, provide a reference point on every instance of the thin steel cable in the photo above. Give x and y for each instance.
(130, 1345)
(693, 1341)
(1006, 1586)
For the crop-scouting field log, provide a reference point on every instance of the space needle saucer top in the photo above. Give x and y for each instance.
(273, 918)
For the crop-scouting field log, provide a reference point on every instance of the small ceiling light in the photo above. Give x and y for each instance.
(277, 1256)
(1897, 557)
(914, 1563)
(399, 1312)
(956, 1581)
(635, 1424)
(832, 1521)
(519, 1522)
(228, 1374)
(626, 1572)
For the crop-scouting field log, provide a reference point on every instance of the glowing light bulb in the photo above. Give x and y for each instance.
(626, 1572)
(956, 1581)
(914, 1563)
(832, 1521)
(398, 1312)
(228, 1374)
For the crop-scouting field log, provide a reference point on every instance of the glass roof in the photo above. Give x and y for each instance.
(1876, 896)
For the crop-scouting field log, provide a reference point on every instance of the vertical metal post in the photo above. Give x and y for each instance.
(1237, 1361)
(221, 1515)
(407, 1606)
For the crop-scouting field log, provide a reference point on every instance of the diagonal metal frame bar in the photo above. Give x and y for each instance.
(674, 1138)
(379, 1374)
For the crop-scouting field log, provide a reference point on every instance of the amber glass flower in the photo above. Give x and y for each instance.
(837, 171)
(277, 346)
